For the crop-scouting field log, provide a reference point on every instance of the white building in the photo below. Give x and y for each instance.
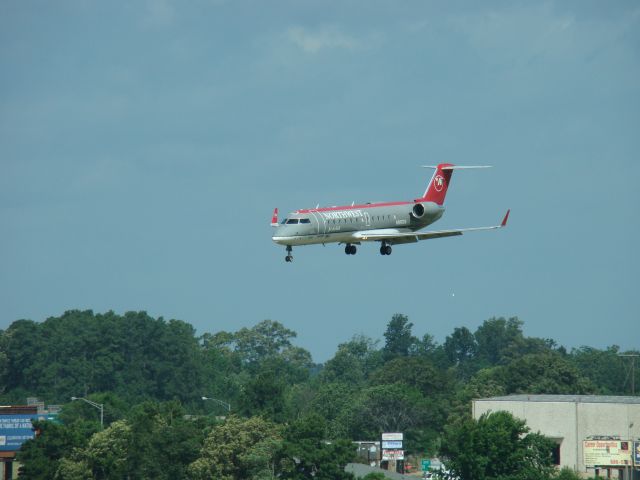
(570, 420)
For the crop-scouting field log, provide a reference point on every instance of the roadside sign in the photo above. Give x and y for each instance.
(393, 455)
(614, 453)
(391, 444)
(426, 464)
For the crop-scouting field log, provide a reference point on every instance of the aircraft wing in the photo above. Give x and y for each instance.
(393, 236)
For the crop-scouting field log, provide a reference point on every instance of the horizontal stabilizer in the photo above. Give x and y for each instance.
(456, 167)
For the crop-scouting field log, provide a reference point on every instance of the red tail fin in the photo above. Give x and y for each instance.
(437, 189)
(274, 218)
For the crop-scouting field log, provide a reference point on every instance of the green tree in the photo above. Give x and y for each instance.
(604, 368)
(495, 337)
(398, 338)
(484, 384)
(545, 373)
(39, 458)
(238, 449)
(154, 441)
(353, 362)
(266, 339)
(264, 394)
(333, 402)
(306, 455)
(460, 346)
(163, 441)
(383, 408)
(417, 372)
(106, 456)
(134, 356)
(497, 446)
(4, 362)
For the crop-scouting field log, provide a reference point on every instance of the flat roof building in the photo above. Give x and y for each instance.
(571, 420)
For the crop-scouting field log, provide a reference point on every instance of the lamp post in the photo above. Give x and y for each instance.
(99, 406)
(224, 404)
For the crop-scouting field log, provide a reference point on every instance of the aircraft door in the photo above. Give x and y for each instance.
(367, 219)
(320, 222)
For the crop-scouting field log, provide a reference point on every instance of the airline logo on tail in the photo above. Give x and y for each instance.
(438, 183)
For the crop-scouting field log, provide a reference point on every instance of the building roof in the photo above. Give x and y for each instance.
(563, 398)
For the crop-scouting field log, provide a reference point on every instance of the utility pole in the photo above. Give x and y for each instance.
(633, 357)
(99, 406)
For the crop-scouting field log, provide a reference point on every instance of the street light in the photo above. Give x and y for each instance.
(224, 404)
(99, 406)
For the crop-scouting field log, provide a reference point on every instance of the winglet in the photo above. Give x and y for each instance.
(504, 220)
(274, 218)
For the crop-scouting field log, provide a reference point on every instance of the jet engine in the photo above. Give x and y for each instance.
(418, 210)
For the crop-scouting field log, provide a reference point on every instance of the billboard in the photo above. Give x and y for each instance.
(636, 458)
(606, 453)
(15, 429)
(390, 455)
(391, 444)
(392, 436)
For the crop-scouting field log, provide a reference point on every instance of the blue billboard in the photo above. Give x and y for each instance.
(15, 429)
(636, 456)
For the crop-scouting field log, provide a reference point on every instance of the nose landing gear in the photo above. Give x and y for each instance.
(289, 257)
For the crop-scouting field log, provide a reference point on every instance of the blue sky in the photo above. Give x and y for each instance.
(144, 144)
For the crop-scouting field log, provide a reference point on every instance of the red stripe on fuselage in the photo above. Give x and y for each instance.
(353, 207)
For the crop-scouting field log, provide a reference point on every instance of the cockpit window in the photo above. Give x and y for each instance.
(292, 221)
(305, 220)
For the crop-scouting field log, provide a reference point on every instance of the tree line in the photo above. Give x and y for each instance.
(289, 417)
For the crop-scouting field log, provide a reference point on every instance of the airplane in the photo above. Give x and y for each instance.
(390, 223)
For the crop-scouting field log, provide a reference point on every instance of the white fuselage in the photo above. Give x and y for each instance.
(351, 224)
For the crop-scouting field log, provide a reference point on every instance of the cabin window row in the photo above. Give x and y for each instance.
(295, 221)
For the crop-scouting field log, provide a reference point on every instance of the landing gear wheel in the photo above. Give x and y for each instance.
(385, 249)
(350, 249)
(289, 257)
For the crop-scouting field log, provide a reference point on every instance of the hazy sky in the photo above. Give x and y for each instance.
(144, 145)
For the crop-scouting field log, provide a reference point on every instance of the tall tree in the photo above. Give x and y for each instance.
(605, 368)
(460, 348)
(239, 449)
(545, 373)
(266, 339)
(306, 455)
(353, 362)
(497, 446)
(416, 372)
(398, 337)
(40, 457)
(134, 355)
(495, 337)
(384, 408)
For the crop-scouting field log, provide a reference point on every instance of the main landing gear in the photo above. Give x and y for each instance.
(350, 249)
(289, 257)
(385, 249)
